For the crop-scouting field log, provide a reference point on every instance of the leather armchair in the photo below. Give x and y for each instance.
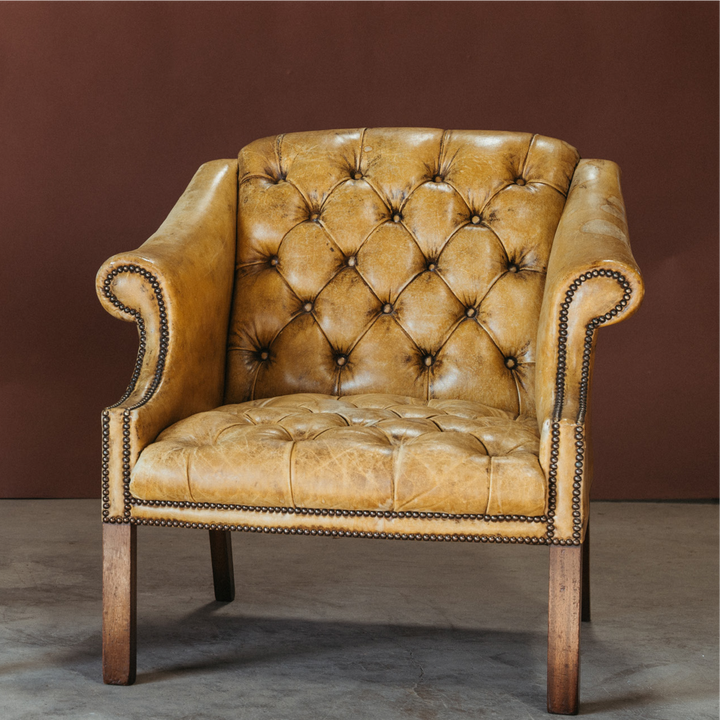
(378, 333)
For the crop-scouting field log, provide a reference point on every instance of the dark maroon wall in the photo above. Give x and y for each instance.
(107, 109)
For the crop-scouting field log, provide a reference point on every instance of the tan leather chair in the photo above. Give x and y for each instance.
(378, 333)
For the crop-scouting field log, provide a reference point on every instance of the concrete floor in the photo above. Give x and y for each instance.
(360, 629)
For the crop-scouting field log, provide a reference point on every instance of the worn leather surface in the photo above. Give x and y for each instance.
(359, 452)
(408, 261)
(591, 235)
(192, 257)
(339, 265)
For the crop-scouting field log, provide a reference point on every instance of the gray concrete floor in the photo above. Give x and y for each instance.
(326, 629)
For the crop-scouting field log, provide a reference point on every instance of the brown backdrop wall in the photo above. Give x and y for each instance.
(106, 111)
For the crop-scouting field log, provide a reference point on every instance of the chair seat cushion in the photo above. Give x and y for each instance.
(356, 452)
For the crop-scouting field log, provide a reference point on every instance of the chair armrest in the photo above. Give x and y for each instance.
(177, 287)
(592, 280)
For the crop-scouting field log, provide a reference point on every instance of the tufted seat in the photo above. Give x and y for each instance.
(375, 332)
(356, 453)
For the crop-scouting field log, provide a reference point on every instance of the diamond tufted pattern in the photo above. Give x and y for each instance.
(361, 452)
(405, 261)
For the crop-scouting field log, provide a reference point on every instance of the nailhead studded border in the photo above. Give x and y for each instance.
(555, 440)
(162, 354)
(560, 396)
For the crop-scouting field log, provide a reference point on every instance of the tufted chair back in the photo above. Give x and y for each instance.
(405, 261)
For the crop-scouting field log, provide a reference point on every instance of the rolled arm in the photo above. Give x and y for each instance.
(177, 287)
(592, 280)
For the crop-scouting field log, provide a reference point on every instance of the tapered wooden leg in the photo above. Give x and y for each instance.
(586, 576)
(119, 603)
(222, 565)
(563, 674)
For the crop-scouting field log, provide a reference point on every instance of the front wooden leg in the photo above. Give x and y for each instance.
(586, 576)
(222, 565)
(563, 673)
(119, 603)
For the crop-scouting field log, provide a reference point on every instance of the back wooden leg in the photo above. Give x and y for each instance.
(563, 673)
(119, 603)
(586, 576)
(222, 565)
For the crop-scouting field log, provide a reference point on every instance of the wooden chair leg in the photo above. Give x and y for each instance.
(222, 565)
(563, 673)
(586, 576)
(119, 603)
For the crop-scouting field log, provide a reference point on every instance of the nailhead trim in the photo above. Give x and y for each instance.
(339, 533)
(162, 354)
(582, 402)
(554, 453)
(338, 512)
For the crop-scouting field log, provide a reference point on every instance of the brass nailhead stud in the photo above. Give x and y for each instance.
(387, 308)
(475, 219)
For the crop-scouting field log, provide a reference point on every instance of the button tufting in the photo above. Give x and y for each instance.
(341, 360)
(352, 261)
(274, 260)
(513, 268)
(314, 217)
(358, 176)
(510, 362)
(475, 219)
(397, 217)
(432, 267)
(264, 355)
(428, 360)
(439, 179)
(471, 312)
(307, 307)
(387, 308)
(520, 181)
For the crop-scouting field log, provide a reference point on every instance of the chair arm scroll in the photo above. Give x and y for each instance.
(177, 287)
(592, 280)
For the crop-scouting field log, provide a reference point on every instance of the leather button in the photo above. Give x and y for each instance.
(341, 360)
(274, 260)
(387, 308)
(314, 217)
(471, 312)
(428, 360)
(519, 181)
(352, 261)
(397, 217)
(307, 307)
(510, 362)
(513, 268)
(264, 355)
(475, 219)
(439, 179)
(357, 176)
(432, 267)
